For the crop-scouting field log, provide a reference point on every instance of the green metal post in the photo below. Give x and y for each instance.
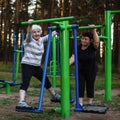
(17, 64)
(7, 88)
(108, 56)
(108, 53)
(64, 63)
(54, 62)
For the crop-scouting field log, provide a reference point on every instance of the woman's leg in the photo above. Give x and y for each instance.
(38, 73)
(26, 76)
(81, 88)
(90, 81)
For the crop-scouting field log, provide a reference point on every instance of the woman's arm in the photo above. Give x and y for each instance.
(28, 36)
(45, 38)
(96, 41)
(72, 59)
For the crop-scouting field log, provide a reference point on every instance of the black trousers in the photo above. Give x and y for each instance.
(28, 71)
(86, 82)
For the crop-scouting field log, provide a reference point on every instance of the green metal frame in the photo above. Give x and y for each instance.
(108, 53)
(64, 57)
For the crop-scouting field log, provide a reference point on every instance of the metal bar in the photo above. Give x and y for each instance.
(78, 106)
(114, 11)
(54, 62)
(88, 27)
(49, 20)
(45, 70)
(108, 57)
(64, 65)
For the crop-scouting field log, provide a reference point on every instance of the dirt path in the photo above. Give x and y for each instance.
(8, 109)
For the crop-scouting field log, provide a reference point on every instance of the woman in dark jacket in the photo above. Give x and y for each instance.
(87, 65)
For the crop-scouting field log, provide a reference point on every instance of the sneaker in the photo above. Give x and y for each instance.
(23, 104)
(56, 98)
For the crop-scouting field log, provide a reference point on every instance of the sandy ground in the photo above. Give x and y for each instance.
(9, 109)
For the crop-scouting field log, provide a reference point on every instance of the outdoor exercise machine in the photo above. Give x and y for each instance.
(15, 70)
(78, 107)
(106, 37)
(64, 61)
(108, 63)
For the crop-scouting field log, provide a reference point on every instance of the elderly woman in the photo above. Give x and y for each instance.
(31, 62)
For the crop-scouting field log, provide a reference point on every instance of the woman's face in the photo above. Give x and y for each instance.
(36, 34)
(85, 41)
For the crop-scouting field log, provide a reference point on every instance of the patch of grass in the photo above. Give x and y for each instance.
(113, 105)
(10, 117)
(5, 102)
(46, 115)
(6, 67)
(34, 92)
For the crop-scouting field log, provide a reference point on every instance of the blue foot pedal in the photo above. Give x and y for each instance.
(56, 101)
(28, 109)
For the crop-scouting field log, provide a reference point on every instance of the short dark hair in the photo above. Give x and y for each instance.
(87, 34)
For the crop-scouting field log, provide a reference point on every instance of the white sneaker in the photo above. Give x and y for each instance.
(23, 104)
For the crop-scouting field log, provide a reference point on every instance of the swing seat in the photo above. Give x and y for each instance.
(95, 109)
